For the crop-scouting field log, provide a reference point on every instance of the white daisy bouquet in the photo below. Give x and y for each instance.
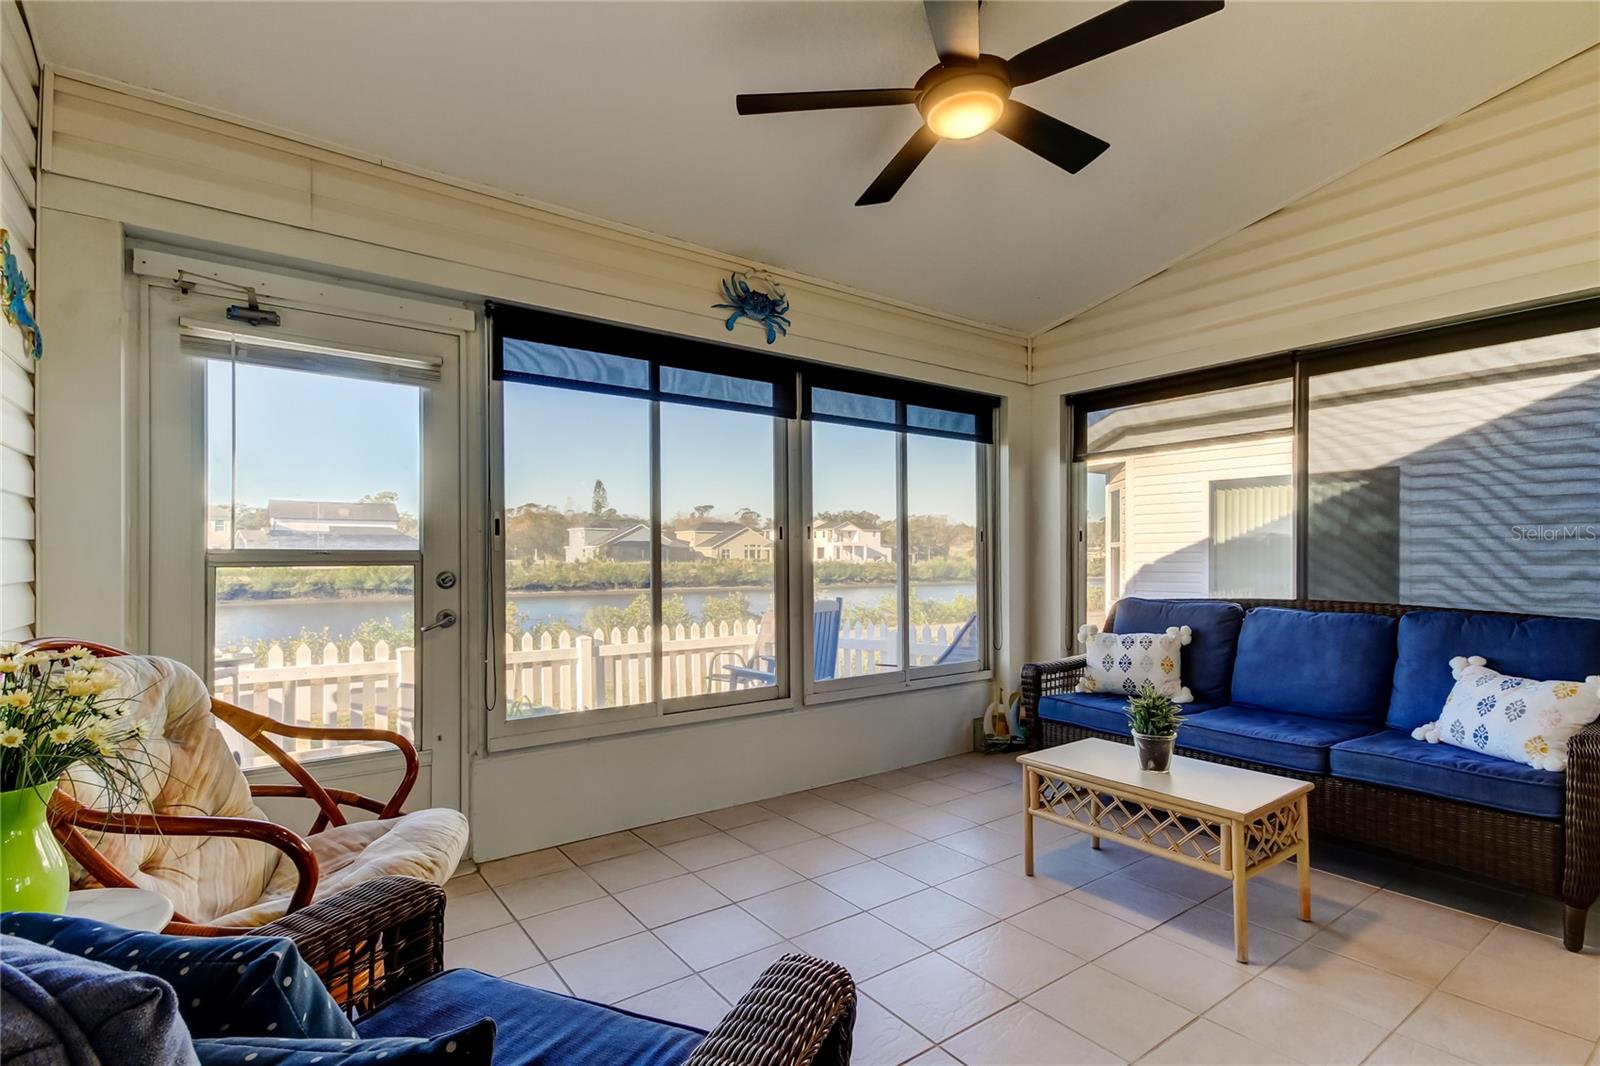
(54, 714)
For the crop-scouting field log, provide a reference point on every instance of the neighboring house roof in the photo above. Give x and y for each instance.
(732, 535)
(848, 525)
(330, 511)
(640, 531)
(605, 523)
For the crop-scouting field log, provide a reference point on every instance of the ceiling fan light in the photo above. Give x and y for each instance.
(965, 106)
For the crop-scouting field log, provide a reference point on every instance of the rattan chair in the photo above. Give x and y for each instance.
(73, 822)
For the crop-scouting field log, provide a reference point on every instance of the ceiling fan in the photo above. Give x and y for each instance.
(968, 92)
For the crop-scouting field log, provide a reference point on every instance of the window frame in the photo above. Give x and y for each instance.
(792, 556)
(1299, 366)
(906, 675)
(502, 729)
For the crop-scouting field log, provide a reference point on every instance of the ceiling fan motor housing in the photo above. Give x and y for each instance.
(962, 98)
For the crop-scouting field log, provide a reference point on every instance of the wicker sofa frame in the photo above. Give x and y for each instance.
(1558, 858)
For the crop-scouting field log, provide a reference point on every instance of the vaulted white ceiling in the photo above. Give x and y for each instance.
(625, 111)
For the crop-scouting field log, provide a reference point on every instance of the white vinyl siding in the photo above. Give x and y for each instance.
(1167, 511)
(19, 131)
(1494, 208)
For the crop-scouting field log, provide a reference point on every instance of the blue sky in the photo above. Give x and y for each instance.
(315, 436)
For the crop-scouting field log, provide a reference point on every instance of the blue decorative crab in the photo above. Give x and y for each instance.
(15, 290)
(769, 309)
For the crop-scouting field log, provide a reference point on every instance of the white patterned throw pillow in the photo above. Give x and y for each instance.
(1512, 718)
(1120, 663)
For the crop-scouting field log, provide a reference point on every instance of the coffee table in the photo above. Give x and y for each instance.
(1224, 820)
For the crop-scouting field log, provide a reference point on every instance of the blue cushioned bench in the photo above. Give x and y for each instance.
(1330, 692)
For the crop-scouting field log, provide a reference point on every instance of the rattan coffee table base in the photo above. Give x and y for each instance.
(1233, 845)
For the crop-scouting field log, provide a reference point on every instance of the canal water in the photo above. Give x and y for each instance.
(239, 621)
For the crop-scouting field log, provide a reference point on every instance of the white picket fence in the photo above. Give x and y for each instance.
(334, 685)
(870, 647)
(577, 672)
(354, 685)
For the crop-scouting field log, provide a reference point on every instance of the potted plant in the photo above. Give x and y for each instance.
(1154, 721)
(55, 715)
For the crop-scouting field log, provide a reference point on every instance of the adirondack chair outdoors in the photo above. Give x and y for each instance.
(825, 661)
(963, 646)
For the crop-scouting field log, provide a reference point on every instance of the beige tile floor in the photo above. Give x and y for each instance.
(913, 880)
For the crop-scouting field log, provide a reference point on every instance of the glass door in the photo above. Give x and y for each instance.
(304, 514)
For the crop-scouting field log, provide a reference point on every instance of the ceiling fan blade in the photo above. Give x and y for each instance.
(827, 99)
(1123, 25)
(1066, 146)
(954, 25)
(886, 184)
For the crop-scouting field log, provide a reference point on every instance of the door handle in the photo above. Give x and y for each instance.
(442, 620)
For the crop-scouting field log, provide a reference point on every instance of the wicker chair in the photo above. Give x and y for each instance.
(1549, 857)
(72, 821)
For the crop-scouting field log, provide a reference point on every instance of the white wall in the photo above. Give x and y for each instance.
(1495, 208)
(19, 121)
(119, 163)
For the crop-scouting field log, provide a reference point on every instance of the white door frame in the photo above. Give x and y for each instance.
(175, 568)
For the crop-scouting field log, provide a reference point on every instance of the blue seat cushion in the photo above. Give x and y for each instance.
(1259, 734)
(532, 1026)
(1206, 665)
(1322, 664)
(1541, 648)
(1392, 758)
(1098, 710)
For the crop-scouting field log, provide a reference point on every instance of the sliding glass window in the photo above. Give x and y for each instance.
(1456, 467)
(640, 525)
(1187, 496)
(1464, 477)
(643, 561)
(897, 531)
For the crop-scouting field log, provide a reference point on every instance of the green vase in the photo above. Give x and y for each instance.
(33, 868)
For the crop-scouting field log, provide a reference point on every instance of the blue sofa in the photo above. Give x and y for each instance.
(1330, 692)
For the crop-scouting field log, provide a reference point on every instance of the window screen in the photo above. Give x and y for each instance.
(1468, 478)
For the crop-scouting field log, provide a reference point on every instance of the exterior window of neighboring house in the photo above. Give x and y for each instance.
(643, 552)
(1455, 466)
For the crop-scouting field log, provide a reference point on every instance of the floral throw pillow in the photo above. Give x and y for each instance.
(1121, 663)
(1512, 718)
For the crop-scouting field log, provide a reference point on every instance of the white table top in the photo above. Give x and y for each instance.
(130, 908)
(1226, 790)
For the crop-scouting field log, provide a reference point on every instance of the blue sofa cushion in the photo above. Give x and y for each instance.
(1098, 710)
(471, 1046)
(1541, 648)
(1392, 758)
(1207, 663)
(1324, 664)
(226, 985)
(1260, 734)
(59, 1008)
(532, 1026)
